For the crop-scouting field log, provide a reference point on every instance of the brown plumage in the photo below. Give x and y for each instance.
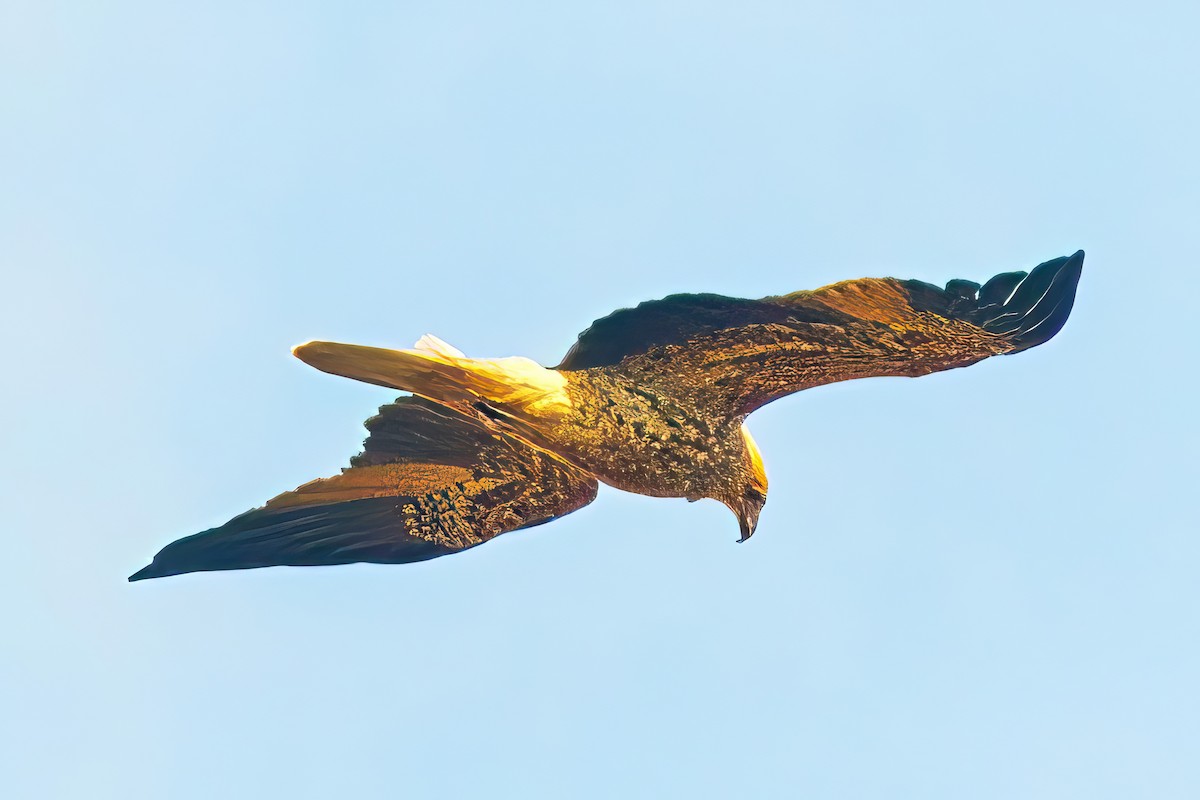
(650, 400)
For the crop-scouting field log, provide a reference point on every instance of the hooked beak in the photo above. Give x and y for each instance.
(747, 520)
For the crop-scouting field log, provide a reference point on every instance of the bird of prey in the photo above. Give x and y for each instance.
(649, 399)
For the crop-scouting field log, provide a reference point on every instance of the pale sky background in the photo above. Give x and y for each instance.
(983, 583)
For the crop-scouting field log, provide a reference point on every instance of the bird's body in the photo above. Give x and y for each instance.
(649, 400)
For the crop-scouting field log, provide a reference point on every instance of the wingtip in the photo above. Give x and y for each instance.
(143, 573)
(1073, 267)
(1039, 304)
(167, 563)
(162, 568)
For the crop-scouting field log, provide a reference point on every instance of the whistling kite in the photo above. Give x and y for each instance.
(649, 400)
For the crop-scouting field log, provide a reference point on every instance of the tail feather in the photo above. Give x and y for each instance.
(439, 372)
(418, 371)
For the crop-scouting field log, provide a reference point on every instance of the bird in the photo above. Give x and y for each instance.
(651, 399)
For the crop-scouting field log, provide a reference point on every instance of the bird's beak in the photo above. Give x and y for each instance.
(747, 520)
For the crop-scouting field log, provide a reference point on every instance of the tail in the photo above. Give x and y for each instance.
(439, 372)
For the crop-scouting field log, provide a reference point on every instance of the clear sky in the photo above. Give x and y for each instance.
(983, 583)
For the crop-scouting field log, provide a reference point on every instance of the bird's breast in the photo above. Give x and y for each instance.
(641, 439)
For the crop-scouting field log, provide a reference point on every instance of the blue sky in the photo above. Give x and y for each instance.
(981, 583)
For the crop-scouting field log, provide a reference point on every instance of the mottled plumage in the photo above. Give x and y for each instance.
(650, 400)
(428, 482)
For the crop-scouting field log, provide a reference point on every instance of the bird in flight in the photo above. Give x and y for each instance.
(649, 399)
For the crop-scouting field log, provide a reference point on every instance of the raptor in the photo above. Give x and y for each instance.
(650, 399)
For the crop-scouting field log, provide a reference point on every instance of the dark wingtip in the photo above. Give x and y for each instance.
(1038, 305)
(152, 571)
(143, 573)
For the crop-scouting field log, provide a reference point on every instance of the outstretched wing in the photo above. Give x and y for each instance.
(429, 482)
(738, 355)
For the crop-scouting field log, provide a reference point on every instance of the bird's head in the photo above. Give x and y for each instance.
(750, 495)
